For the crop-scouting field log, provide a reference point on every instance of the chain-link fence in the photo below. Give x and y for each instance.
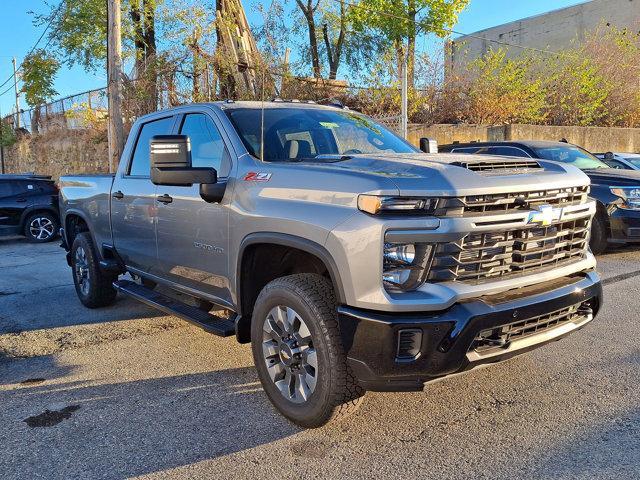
(79, 111)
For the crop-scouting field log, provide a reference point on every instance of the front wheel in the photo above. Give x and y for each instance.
(93, 286)
(598, 241)
(298, 351)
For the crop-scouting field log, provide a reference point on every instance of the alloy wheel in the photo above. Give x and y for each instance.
(41, 228)
(289, 354)
(81, 269)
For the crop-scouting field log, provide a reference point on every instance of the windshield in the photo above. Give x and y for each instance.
(296, 134)
(571, 154)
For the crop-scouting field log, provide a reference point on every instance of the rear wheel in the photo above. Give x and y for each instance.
(298, 351)
(598, 241)
(93, 286)
(41, 227)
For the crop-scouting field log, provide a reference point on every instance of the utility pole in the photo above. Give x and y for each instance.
(115, 132)
(15, 86)
(1, 143)
(404, 108)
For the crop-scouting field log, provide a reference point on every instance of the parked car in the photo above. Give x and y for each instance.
(623, 161)
(616, 191)
(29, 207)
(348, 258)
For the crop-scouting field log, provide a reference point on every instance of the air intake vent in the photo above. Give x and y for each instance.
(486, 166)
(409, 343)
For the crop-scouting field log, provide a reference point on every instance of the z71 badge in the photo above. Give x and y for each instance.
(257, 177)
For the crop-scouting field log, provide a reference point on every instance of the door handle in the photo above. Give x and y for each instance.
(21, 200)
(164, 198)
(118, 195)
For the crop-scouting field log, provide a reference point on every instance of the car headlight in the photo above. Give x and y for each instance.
(405, 265)
(375, 205)
(630, 195)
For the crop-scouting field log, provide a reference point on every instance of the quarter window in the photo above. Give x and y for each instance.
(140, 164)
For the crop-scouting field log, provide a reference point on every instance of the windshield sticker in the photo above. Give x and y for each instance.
(329, 124)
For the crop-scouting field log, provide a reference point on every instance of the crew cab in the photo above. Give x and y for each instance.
(351, 260)
(616, 191)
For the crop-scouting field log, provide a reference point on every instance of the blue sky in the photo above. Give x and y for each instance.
(17, 35)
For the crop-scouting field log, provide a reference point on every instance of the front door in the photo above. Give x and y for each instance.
(193, 234)
(133, 201)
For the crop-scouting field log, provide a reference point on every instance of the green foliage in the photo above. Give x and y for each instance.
(38, 72)
(407, 19)
(7, 135)
(502, 90)
(79, 32)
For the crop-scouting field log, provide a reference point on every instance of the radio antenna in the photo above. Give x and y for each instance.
(262, 116)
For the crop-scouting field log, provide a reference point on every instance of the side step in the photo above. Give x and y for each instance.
(212, 324)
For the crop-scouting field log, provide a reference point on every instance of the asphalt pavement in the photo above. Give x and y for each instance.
(125, 392)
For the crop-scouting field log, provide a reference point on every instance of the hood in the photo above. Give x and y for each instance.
(613, 177)
(455, 174)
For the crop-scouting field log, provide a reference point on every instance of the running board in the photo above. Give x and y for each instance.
(211, 323)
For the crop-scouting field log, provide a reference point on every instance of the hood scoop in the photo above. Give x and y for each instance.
(499, 167)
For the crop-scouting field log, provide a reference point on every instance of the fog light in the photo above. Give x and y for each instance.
(405, 265)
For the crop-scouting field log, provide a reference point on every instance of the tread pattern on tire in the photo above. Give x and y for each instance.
(102, 292)
(318, 294)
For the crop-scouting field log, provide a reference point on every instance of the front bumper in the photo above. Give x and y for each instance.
(625, 225)
(447, 338)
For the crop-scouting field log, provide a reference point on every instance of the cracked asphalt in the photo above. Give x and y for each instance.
(127, 392)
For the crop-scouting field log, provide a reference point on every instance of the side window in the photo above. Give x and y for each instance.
(140, 164)
(467, 150)
(508, 152)
(616, 164)
(207, 146)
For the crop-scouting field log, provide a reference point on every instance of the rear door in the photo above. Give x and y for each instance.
(193, 234)
(14, 200)
(133, 201)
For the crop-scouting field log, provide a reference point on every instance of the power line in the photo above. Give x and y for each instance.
(44, 32)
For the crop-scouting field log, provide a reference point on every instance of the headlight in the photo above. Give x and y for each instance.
(405, 266)
(630, 195)
(374, 205)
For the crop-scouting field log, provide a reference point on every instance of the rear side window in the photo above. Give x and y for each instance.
(465, 150)
(207, 146)
(6, 189)
(508, 152)
(140, 163)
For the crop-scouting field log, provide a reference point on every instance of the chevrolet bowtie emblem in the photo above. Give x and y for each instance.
(545, 215)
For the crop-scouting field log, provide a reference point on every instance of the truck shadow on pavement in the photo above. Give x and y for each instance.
(168, 422)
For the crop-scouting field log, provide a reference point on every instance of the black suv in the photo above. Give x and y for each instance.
(617, 191)
(29, 207)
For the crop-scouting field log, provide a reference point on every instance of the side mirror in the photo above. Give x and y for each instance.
(609, 156)
(171, 163)
(429, 145)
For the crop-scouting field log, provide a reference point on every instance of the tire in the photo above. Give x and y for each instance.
(313, 353)
(598, 241)
(93, 286)
(41, 227)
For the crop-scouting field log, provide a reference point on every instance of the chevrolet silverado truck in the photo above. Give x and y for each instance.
(349, 259)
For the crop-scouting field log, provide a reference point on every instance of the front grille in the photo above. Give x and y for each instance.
(509, 202)
(486, 166)
(484, 256)
(500, 337)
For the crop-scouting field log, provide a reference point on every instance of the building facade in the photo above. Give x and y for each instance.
(554, 30)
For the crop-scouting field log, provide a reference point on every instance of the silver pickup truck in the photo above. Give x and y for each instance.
(349, 259)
